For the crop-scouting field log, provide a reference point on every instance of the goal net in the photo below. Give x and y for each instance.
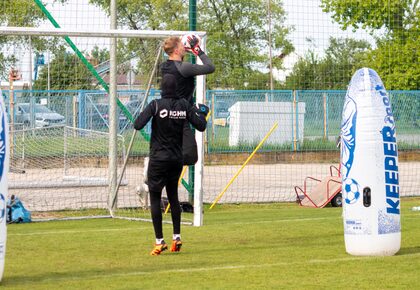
(288, 65)
(303, 145)
(61, 171)
(60, 125)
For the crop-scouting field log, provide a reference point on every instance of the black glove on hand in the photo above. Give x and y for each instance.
(203, 109)
(194, 44)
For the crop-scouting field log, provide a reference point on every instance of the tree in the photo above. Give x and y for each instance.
(6, 63)
(397, 54)
(238, 41)
(343, 58)
(394, 15)
(67, 72)
(237, 32)
(333, 71)
(397, 62)
(21, 13)
(99, 55)
(146, 15)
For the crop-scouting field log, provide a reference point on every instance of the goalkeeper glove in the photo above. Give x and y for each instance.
(203, 109)
(194, 44)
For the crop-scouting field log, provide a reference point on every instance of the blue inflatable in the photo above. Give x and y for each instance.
(4, 169)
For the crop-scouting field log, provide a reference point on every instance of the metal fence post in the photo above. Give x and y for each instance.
(294, 131)
(81, 110)
(324, 97)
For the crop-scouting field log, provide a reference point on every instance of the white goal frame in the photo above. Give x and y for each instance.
(143, 34)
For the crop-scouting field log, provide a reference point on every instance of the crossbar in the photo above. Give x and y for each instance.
(37, 31)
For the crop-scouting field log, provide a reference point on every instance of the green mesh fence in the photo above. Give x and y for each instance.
(305, 144)
(322, 117)
(288, 62)
(223, 104)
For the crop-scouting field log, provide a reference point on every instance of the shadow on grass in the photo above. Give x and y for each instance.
(69, 276)
(409, 251)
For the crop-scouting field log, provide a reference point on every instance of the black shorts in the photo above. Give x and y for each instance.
(162, 173)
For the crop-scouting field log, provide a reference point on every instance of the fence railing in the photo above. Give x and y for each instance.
(85, 109)
(310, 119)
(320, 120)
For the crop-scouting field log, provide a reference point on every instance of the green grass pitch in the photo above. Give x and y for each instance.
(267, 246)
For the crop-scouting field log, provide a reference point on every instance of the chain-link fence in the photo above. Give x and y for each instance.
(79, 109)
(320, 119)
(288, 62)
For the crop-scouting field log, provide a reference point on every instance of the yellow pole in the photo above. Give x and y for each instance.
(179, 181)
(245, 163)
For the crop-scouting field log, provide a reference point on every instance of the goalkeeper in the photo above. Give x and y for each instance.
(168, 116)
(184, 73)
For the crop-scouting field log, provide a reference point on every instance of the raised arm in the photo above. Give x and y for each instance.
(187, 69)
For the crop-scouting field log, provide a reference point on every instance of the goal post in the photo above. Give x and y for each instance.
(128, 200)
(199, 166)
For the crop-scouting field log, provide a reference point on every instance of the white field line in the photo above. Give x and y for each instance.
(76, 231)
(406, 216)
(147, 227)
(284, 220)
(410, 216)
(216, 268)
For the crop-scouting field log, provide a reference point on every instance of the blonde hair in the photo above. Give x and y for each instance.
(170, 44)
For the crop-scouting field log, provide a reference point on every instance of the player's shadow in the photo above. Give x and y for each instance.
(26, 281)
(409, 251)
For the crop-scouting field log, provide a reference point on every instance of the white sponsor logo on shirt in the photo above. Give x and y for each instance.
(163, 113)
(177, 114)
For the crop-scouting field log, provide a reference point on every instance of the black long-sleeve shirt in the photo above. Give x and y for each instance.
(169, 115)
(185, 72)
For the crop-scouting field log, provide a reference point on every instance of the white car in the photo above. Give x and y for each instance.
(44, 117)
